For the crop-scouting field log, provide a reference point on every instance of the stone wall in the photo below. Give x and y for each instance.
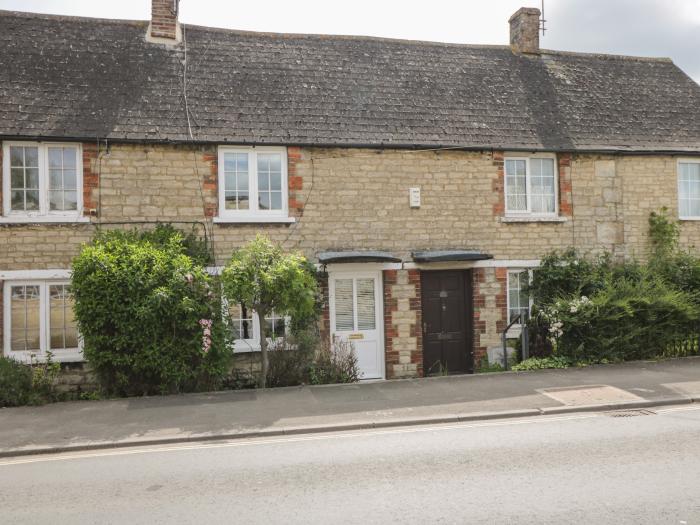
(358, 199)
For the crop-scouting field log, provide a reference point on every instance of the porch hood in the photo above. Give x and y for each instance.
(356, 257)
(449, 256)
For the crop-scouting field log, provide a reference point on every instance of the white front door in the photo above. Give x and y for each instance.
(356, 312)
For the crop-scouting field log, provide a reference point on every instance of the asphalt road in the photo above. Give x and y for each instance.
(585, 468)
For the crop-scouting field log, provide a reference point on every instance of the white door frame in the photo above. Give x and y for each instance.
(378, 305)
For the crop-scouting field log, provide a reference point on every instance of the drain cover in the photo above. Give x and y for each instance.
(630, 413)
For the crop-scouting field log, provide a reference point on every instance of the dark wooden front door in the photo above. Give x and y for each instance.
(447, 326)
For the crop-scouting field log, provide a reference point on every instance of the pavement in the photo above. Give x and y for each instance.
(573, 468)
(84, 425)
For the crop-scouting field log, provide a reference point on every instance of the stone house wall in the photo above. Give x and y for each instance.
(358, 199)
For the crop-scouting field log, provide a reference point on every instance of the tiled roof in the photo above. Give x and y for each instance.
(86, 79)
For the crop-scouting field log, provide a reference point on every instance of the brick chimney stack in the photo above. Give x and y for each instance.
(164, 25)
(525, 30)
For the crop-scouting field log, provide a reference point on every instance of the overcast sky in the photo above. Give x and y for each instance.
(669, 28)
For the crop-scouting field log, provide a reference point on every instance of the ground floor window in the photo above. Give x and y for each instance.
(246, 331)
(518, 298)
(38, 319)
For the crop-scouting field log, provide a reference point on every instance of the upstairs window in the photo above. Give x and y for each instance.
(252, 183)
(530, 186)
(42, 180)
(689, 189)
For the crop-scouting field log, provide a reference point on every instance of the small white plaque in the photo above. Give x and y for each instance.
(414, 197)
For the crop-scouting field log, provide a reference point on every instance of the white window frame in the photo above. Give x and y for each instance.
(517, 326)
(44, 214)
(253, 344)
(253, 214)
(61, 356)
(678, 180)
(528, 188)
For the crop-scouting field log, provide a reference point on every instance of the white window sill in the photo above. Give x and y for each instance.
(69, 356)
(689, 218)
(533, 218)
(44, 219)
(253, 219)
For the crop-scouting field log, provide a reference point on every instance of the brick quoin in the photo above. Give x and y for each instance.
(391, 331)
(210, 184)
(295, 182)
(566, 205)
(91, 180)
(498, 185)
(502, 298)
(416, 331)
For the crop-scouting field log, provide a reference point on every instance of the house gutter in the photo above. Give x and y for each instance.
(358, 145)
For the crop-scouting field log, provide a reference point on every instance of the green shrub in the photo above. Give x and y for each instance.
(23, 384)
(149, 314)
(626, 319)
(263, 277)
(15, 383)
(539, 363)
(563, 274)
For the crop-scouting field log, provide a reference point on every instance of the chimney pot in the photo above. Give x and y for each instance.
(525, 30)
(164, 25)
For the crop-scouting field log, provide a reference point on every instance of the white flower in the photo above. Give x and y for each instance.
(573, 309)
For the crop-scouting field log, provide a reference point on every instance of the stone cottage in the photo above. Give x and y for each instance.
(424, 178)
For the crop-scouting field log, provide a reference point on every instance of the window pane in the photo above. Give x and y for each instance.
(32, 199)
(241, 322)
(31, 178)
(70, 181)
(230, 200)
(276, 200)
(516, 185)
(264, 201)
(276, 326)
(55, 158)
(24, 318)
(518, 299)
(276, 181)
(16, 156)
(263, 181)
(542, 185)
(243, 182)
(366, 319)
(230, 182)
(70, 200)
(17, 200)
(243, 200)
(70, 158)
(55, 200)
(17, 178)
(236, 181)
(55, 179)
(31, 157)
(62, 328)
(689, 189)
(344, 316)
